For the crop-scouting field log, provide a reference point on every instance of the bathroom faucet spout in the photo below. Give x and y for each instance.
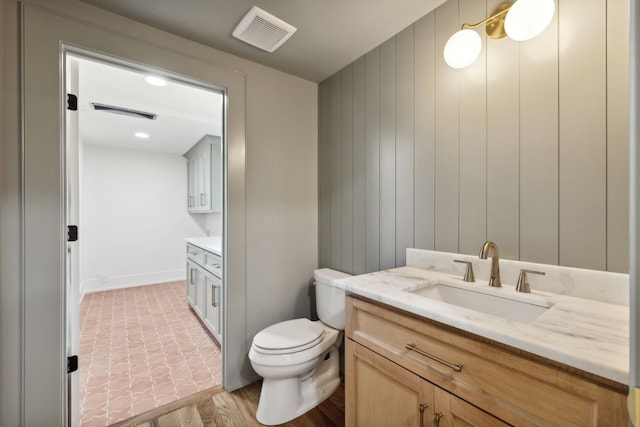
(494, 280)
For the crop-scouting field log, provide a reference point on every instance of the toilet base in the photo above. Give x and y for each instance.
(282, 400)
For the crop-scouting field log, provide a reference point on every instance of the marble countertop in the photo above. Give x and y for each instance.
(589, 335)
(209, 243)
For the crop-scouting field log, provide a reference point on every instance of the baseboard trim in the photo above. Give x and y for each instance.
(130, 281)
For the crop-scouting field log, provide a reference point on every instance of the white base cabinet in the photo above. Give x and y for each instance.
(204, 288)
(212, 313)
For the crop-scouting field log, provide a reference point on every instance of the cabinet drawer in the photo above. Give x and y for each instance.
(195, 253)
(213, 263)
(509, 385)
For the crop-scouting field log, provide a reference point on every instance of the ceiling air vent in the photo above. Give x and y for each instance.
(263, 30)
(124, 111)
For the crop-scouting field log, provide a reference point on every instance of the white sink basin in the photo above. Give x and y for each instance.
(489, 301)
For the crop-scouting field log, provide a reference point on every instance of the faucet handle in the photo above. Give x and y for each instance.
(523, 281)
(468, 272)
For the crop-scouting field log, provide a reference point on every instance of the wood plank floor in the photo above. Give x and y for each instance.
(216, 407)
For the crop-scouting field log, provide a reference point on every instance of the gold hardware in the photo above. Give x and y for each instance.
(436, 418)
(523, 281)
(422, 407)
(494, 23)
(190, 201)
(455, 367)
(494, 280)
(633, 406)
(468, 273)
(203, 197)
(191, 276)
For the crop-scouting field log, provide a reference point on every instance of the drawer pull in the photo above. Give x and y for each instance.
(453, 366)
(422, 407)
(436, 418)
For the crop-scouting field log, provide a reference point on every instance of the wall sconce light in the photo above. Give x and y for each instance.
(521, 20)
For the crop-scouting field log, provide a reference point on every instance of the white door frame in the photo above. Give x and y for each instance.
(45, 36)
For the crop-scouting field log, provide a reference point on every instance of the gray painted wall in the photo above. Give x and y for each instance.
(528, 147)
(273, 228)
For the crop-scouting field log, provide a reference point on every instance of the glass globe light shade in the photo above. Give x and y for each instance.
(528, 18)
(462, 48)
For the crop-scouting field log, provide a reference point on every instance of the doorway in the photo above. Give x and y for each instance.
(127, 192)
(47, 36)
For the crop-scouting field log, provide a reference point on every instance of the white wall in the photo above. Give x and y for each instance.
(134, 218)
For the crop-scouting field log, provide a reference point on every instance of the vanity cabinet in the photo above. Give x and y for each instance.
(382, 393)
(462, 378)
(204, 175)
(204, 287)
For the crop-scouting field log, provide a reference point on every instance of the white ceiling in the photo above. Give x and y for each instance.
(185, 113)
(331, 33)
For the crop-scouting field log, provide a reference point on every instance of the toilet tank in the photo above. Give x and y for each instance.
(330, 299)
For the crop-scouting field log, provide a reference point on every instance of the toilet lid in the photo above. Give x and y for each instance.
(291, 335)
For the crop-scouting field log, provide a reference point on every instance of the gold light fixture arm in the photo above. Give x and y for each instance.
(494, 23)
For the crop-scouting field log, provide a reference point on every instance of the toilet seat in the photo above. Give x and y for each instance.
(297, 355)
(290, 336)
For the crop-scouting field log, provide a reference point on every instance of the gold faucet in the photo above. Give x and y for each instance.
(494, 280)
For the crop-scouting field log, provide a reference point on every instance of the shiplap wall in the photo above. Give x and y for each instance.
(528, 147)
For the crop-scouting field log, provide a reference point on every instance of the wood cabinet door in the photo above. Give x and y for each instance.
(451, 411)
(380, 393)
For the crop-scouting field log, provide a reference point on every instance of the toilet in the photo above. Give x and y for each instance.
(299, 359)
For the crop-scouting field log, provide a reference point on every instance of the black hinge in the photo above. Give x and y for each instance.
(72, 233)
(72, 102)
(72, 364)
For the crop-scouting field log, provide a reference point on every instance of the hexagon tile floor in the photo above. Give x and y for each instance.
(141, 348)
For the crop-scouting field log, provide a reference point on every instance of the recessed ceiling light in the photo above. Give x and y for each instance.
(155, 80)
(142, 135)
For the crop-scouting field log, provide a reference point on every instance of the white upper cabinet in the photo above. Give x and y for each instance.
(204, 169)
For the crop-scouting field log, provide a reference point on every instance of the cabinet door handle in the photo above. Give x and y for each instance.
(422, 407)
(190, 201)
(436, 419)
(213, 296)
(191, 275)
(203, 196)
(455, 367)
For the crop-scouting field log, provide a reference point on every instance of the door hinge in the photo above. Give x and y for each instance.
(72, 102)
(72, 364)
(72, 233)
